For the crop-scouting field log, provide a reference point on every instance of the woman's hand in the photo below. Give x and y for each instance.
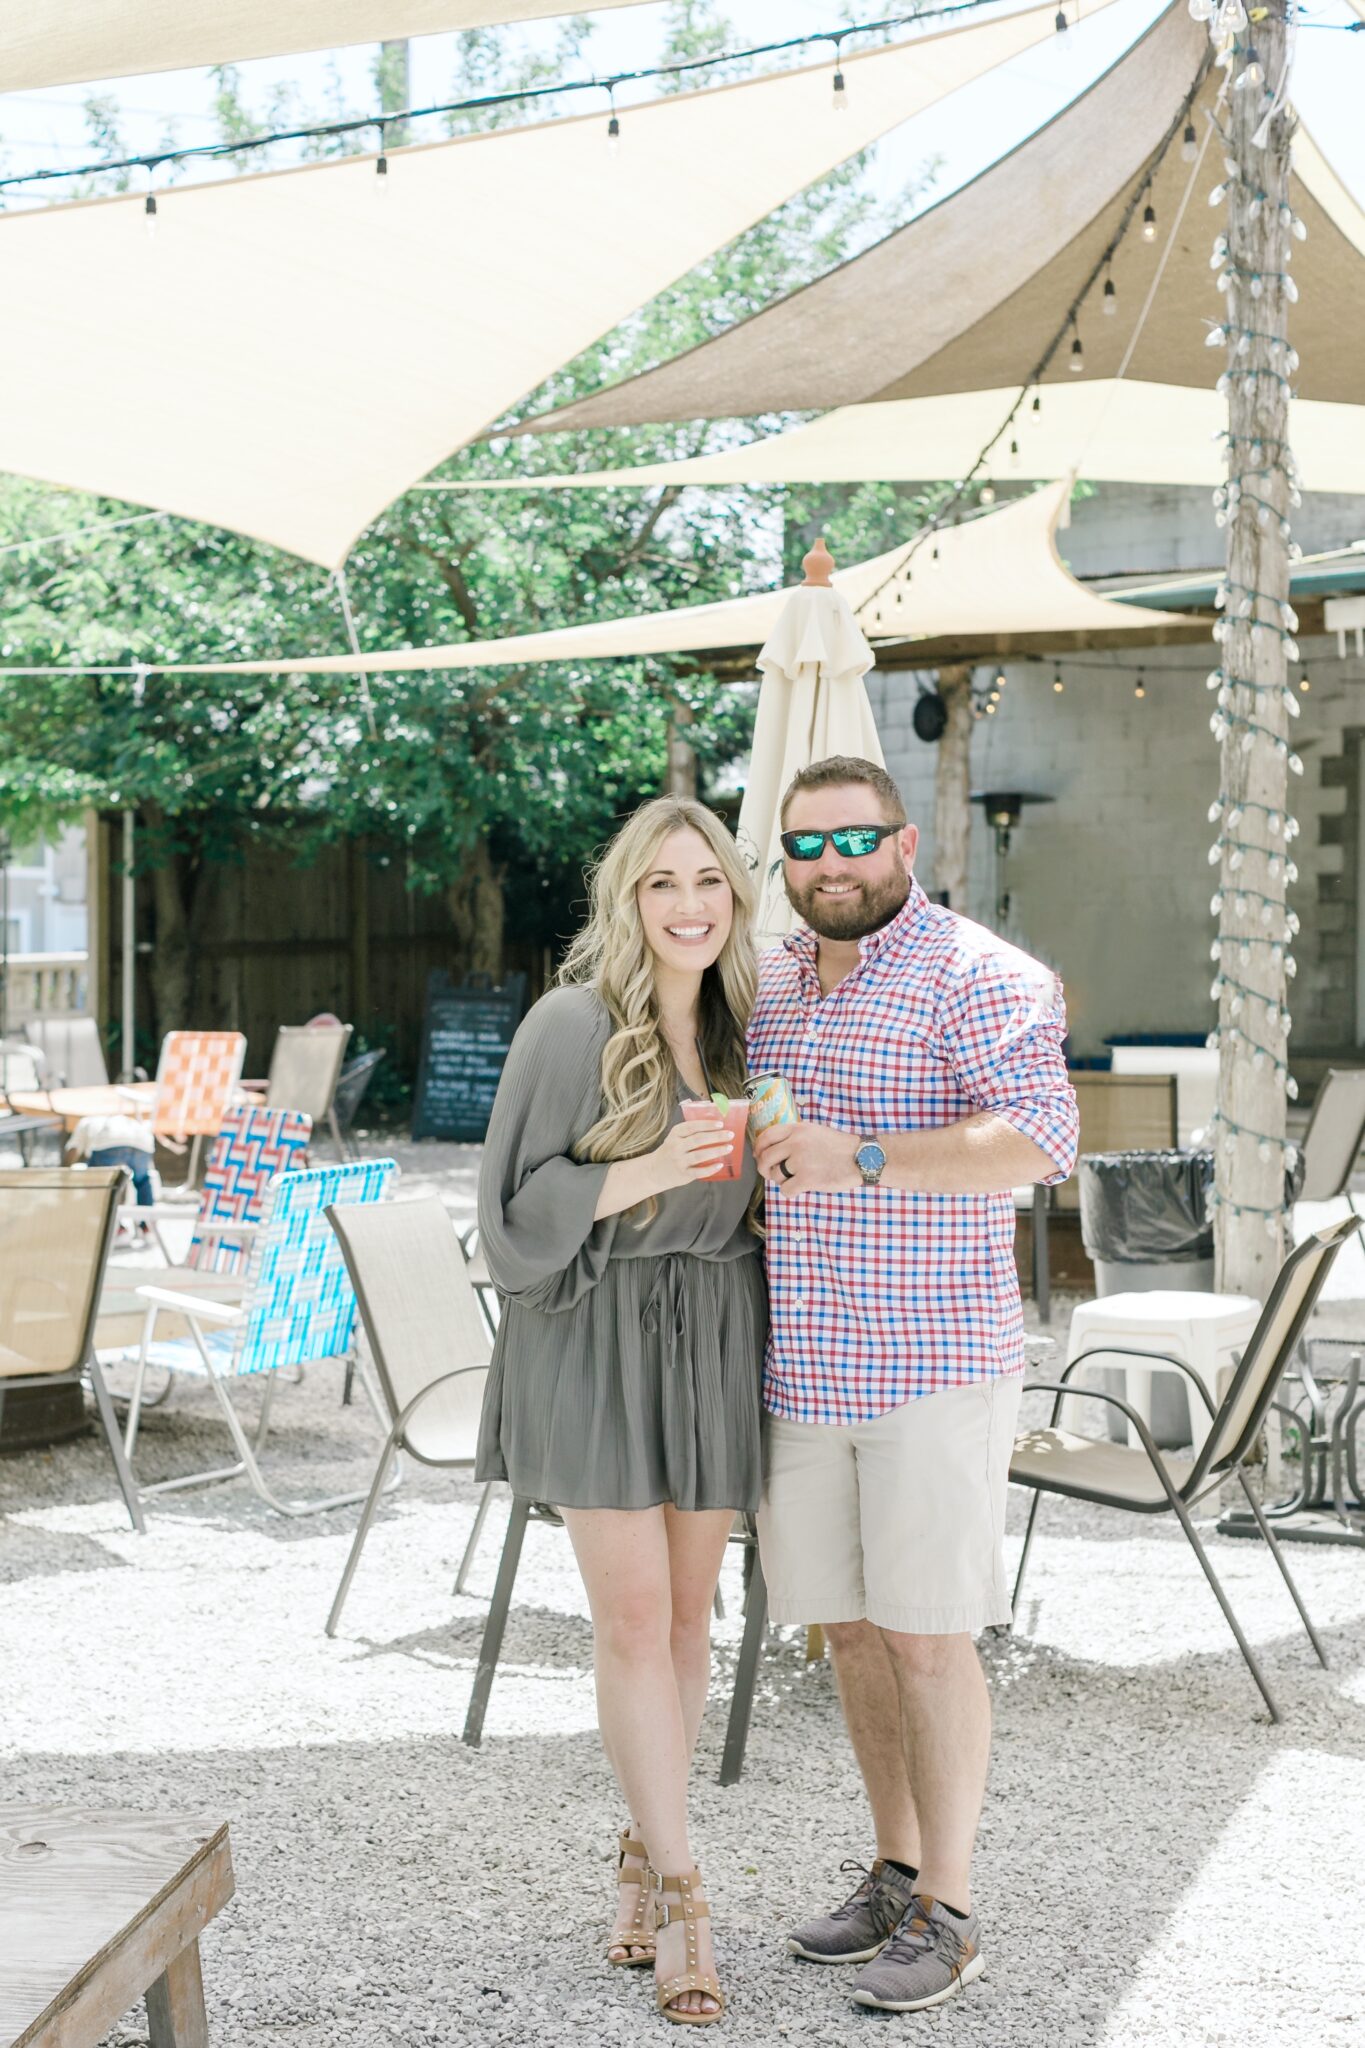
(694, 1149)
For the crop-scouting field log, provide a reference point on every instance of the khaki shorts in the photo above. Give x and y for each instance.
(898, 1521)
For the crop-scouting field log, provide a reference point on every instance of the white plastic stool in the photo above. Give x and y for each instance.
(1206, 1332)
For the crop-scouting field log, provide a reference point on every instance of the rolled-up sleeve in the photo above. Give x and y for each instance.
(536, 1201)
(1004, 1029)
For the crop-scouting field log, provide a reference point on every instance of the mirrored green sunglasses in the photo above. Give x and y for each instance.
(853, 841)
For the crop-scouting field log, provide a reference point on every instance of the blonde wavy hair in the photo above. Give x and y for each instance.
(611, 954)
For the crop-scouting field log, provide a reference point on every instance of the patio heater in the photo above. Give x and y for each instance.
(1004, 809)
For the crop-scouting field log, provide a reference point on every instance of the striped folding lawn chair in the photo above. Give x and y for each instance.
(298, 1306)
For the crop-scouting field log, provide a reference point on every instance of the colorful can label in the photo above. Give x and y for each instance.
(770, 1102)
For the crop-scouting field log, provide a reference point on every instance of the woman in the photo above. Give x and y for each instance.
(625, 1383)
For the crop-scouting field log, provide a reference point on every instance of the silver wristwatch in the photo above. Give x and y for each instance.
(870, 1161)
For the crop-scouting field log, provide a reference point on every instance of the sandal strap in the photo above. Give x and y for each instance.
(673, 1988)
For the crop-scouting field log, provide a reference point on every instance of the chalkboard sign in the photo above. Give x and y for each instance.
(466, 1033)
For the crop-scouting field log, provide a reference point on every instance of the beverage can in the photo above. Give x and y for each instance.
(770, 1102)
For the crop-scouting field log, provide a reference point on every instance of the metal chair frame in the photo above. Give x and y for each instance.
(89, 1366)
(1212, 1466)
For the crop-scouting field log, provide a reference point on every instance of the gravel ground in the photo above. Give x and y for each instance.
(1157, 1863)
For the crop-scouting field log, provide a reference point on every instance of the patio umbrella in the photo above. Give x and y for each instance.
(812, 704)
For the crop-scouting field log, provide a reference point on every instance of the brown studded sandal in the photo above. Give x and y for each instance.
(637, 1940)
(676, 1898)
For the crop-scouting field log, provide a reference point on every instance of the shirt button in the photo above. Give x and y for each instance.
(796, 1237)
(797, 1301)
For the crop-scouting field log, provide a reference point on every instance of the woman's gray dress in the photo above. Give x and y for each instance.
(628, 1362)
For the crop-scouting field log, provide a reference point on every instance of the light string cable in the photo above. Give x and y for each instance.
(50, 540)
(954, 502)
(391, 117)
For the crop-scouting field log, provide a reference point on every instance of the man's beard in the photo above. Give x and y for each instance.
(853, 916)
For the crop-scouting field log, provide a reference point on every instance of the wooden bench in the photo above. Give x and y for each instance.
(97, 1908)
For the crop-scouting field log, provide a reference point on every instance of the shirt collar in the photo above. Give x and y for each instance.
(893, 939)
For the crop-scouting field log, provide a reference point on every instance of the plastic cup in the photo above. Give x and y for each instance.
(736, 1121)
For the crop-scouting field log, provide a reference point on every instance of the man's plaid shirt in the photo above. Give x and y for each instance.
(879, 1295)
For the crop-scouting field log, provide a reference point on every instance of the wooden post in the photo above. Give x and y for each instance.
(359, 894)
(1252, 721)
(952, 788)
(682, 757)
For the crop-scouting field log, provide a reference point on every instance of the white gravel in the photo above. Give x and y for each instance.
(1157, 1863)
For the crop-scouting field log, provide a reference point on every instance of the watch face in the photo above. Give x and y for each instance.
(870, 1157)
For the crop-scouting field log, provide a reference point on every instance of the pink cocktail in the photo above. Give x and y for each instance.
(736, 1121)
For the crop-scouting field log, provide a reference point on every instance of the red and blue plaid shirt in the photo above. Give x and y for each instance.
(878, 1294)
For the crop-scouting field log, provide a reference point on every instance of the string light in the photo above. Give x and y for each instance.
(613, 125)
(1149, 222)
(1189, 144)
(1304, 683)
(840, 89)
(987, 494)
(1057, 684)
(1077, 353)
(1139, 687)
(1111, 298)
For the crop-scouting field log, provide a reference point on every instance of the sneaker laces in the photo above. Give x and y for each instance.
(917, 1935)
(861, 1895)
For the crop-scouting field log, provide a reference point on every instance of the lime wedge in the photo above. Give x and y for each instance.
(722, 1102)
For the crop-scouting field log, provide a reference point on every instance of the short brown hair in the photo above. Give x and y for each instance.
(841, 768)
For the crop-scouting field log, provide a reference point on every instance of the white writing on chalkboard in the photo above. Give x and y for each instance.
(466, 1033)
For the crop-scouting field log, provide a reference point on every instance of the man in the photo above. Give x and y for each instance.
(925, 1056)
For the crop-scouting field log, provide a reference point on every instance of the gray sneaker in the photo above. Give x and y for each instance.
(857, 1930)
(929, 1958)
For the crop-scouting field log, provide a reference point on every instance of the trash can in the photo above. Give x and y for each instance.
(1145, 1221)
(1145, 1224)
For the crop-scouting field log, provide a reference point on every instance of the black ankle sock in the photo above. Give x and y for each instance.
(953, 1910)
(905, 1869)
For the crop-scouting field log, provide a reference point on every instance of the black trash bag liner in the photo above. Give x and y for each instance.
(1140, 1207)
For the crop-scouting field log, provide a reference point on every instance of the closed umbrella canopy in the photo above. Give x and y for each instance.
(70, 42)
(291, 351)
(813, 703)
(971, 294)
(998, 574)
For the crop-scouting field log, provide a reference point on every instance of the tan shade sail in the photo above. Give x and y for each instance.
(1104, 430)
(971, 294)
(998, 574)
(289, 352)
(72, 42)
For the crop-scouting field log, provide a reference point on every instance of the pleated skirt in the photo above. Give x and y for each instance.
(648, 1390)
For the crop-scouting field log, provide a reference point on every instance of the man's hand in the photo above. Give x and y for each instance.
(805, 1158)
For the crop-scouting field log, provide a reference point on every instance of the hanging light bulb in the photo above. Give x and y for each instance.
(1251, 75)
(1304, 683)
(1077, 356)
(1057, 684)
(1014, 454)
(1139, 687)
(1111, 298)
(1037, 401)
(1061, 24)
(149, 215)
(1149, 222)
(1189, 144)
(381, 174)
(840, 93)
(986, 495)
(613, 126)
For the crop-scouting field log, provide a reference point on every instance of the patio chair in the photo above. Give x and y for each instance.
(305, 1067)
(298, 1307)
(23, 1070)
(56, 1227)
(743, 1533)
(196, 1078)
(72, 1048)
(1147, 1481)
(1336, 1131)
(428, 1341)
(355, 1078)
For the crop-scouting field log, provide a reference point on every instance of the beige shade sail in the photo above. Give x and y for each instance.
(813, 703)
(290, 351)
(997, 574)
(1103, 430)
(72, 42)
(972, 293)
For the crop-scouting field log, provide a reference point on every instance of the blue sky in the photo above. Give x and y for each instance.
(967, 132)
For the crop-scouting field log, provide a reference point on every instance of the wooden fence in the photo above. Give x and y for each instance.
(274, 942)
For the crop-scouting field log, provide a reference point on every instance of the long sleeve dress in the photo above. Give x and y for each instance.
(628, 1361)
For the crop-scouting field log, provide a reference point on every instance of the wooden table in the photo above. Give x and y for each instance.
(95, 1909)
(71, 1104)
